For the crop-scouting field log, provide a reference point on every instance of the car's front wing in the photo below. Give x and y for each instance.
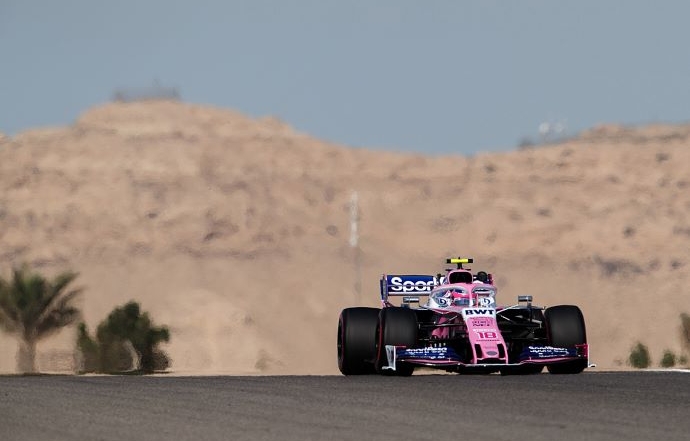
(444, 356)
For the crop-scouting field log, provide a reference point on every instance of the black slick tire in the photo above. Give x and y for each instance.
(565, 328)
(396, 326)
(357, 340)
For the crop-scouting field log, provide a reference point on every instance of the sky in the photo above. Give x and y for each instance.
(427, 76)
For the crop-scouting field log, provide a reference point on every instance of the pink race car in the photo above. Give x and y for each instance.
(459, 329)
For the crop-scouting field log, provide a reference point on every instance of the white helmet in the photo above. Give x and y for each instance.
(444, 296)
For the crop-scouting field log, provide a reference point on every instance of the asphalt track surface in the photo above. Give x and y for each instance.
(592, 406)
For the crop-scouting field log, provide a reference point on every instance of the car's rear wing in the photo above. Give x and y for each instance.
(410, 286)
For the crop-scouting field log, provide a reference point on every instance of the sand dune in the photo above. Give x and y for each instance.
(234, 231)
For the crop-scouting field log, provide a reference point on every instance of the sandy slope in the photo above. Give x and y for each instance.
(234, 231)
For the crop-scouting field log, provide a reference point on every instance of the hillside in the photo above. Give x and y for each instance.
(234, 231)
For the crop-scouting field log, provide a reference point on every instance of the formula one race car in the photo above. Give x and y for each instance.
(459, 329)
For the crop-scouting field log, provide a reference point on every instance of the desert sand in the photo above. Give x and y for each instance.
(234, 231)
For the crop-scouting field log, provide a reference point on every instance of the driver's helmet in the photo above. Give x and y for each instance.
(482, 277)
(451, 296)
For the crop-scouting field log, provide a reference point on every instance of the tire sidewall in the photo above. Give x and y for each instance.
(396, 326)
(565, 328)
(356, 346)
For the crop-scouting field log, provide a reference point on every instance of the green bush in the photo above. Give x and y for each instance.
(127, 341)
(668, 360)
(639, 356)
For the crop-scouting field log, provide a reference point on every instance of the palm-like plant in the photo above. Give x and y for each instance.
(33, 307)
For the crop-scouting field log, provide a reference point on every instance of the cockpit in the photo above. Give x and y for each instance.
(459, 276)
(445, 296)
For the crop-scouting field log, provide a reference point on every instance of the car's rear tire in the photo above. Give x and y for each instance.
(396, 326)
(357, 340)
(565, 328)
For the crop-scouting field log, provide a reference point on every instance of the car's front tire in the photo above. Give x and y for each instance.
(357, 340)
(398, 327)
(565, 328)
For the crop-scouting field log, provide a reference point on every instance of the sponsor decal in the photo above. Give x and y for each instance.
(429, 353)
(548, 349)
(441, 350)
(481, 322)
(547, 352)
(486, 302)
(486, 312)
(404, 284)
(443, 302)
